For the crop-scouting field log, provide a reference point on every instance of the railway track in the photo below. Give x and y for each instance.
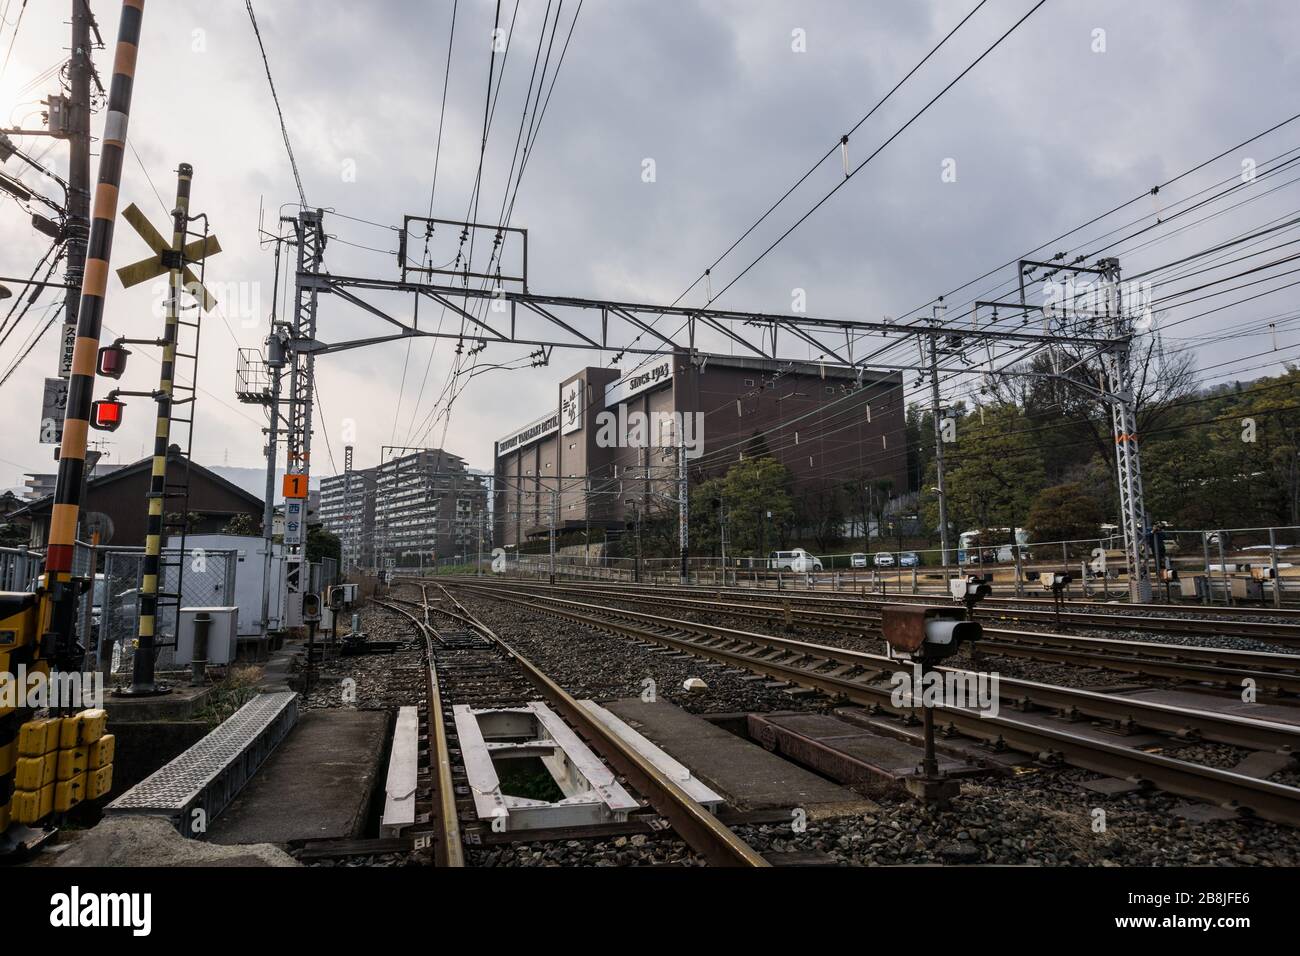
(1272, 673)
(1105, 617)
(861, 678)
(470, 664)
(893, 590)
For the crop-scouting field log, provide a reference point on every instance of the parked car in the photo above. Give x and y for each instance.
(798, 560)
(909, 559)
(858, 560)
(883, 559)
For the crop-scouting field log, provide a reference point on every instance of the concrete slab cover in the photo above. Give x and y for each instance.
(1217, 704)
(831, 739)
(317, 784)
(403, 769)
(746, 774)
(674, 769)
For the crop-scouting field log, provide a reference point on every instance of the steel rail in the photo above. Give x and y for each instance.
(997, 600)
(1267, 631)
(699, 828)
(1277, 673)
(448, 850)
(1183, 721)
(1269, 800)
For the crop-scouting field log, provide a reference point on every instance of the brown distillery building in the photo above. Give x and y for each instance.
(122, 497)
(825, 423)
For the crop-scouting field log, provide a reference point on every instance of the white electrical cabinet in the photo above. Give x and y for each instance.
(223, 634)
(250, 571)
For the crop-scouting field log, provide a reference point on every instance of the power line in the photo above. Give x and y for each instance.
(915, 116)
(53, 312)
(284, 130)
(838, 186)
(802, 179)
(17, 23)
(1110, 212)
(831, 151)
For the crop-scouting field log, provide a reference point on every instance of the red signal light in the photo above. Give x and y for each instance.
(106, 414)
(112, 361)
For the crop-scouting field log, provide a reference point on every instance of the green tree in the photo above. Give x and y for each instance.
(822, 511)
(754, 489)
(242, 524)
(323, 544)
(707, 498)
(1064, 513)
(992, 471)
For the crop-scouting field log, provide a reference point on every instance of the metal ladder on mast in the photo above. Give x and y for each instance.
(176, 521)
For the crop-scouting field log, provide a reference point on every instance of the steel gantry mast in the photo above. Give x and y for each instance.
(310, 241)
(1123, 405)
(1117, 391)
(504, 311)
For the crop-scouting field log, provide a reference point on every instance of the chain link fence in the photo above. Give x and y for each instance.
(208, 581)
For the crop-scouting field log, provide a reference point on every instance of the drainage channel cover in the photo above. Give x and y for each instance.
(175, 785)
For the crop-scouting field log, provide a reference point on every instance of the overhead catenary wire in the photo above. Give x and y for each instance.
(829, 152)
(275, 98)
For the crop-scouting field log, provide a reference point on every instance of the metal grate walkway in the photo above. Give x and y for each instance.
(196, 786)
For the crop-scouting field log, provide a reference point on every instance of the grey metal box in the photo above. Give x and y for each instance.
(222, 634)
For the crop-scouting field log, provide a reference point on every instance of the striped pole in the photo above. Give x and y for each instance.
(142, 676)
(59, 604)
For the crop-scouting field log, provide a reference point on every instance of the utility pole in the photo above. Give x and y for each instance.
(683, 510)
(58, 593)
(722, 535)
(353, 532)
(77, 223)
(275, 360)
(938, 435)
(555, 504)
(636, 517)
(310, 240)
(311, 249)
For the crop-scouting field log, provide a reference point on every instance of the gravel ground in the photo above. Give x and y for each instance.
(1043, 817)
(1020, 668)
(636, 850)
(1038, 819)
(383, 681)
(602, 666)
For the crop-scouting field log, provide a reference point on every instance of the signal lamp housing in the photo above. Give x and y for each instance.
(112, 361)
(106, 414)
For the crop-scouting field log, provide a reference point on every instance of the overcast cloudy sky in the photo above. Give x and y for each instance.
(1046, 133)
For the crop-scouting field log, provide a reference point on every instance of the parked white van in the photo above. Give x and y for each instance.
(798, 560)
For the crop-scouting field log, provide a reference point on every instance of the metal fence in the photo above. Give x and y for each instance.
(209, 581)
(19, 568)
(1211, 566)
